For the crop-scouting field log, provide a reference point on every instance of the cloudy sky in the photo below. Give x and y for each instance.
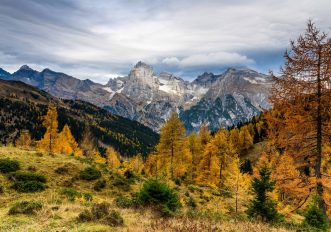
(98, 39)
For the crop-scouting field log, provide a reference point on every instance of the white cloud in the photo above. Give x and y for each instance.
(211, 59)
(108, 36)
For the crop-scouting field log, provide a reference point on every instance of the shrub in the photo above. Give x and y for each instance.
(101, 213)
(99, 185)
(25, 207)
(2, 190)
(85, 216)
(123, 202)
(100, 210)
(160, 194)
(71, 193)
(8, 165)
(90, 173)
(28, 186)
(27, 176)
(113, 219)
(314, 217)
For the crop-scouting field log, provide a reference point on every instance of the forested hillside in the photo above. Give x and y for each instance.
(22, 107)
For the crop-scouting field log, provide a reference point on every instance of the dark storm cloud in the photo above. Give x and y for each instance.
(99, 39)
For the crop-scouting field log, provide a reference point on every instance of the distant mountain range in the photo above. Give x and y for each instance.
(218, 100)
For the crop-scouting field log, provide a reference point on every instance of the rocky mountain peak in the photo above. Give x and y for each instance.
(25, 68)
(141, 64)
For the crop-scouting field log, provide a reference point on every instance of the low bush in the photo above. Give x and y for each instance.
(25, 207)
(28, 186)
(2, 189)
(113, 219)
(157, 193)
(27, 182)
(85, 216)
(102, 213)
(123, 202)
(8, 165)
(27, 176)
(315, 218)
(90, 173)
(99, 185)
(100, 210)
(71, 193)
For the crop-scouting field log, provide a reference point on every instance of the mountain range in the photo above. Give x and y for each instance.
(217, 100)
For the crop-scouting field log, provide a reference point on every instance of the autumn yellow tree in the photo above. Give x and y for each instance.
(136, 164)
(172, 148)
(50, 122)
(292, 187)
(195, 149)
(301, 98)
(66, 143)
(234, 138)
(245, 139)
(152, 165)
(24, 140)
(217, 156)
(238, 184)
(113, 160)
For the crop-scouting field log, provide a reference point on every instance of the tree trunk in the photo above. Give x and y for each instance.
(237, 189)
(318, 175)
(172, 160)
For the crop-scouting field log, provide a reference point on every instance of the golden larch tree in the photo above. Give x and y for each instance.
(245, 139)
(50, 122)
(301, 99)
(172, 148)
(136, 164)
(113, 160)
(238, 184)
(66, 143)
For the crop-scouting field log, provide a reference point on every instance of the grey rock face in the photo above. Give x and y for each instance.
(236, 96)
(219, 100)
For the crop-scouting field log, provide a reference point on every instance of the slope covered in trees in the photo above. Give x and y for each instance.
(22, 108)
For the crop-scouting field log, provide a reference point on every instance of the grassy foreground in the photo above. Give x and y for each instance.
(59, 211)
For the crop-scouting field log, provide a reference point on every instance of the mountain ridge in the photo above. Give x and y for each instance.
(149, 98)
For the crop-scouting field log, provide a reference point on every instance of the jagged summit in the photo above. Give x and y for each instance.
(141, 64)
(25, 67)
